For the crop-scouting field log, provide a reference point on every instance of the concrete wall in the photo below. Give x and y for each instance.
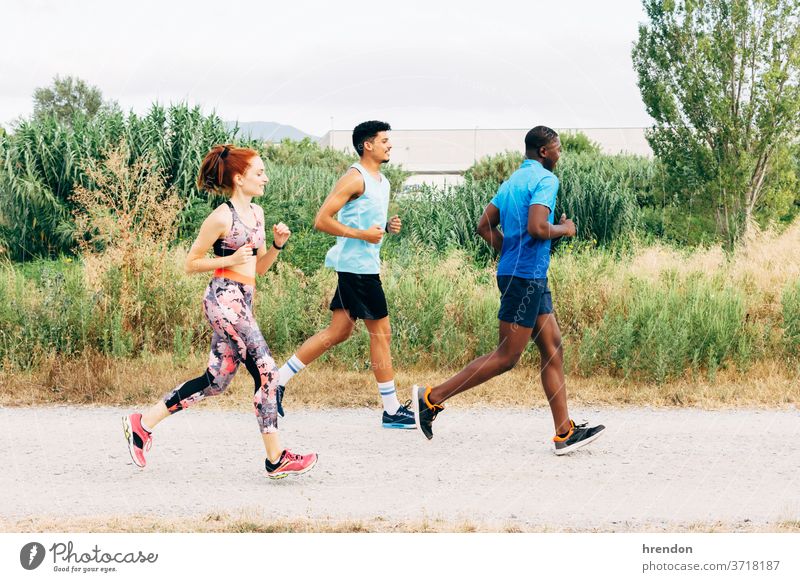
(451, 151)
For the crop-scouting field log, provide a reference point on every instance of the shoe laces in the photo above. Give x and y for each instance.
(148, 442)
(290, 456)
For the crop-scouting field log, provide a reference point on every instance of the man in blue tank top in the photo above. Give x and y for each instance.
(524, 208)
(356, 213)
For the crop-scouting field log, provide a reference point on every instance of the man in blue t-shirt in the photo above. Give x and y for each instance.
(524, 209)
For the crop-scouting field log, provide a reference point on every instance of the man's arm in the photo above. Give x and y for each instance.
(349, 186)
(543, 198)
(487, 227)
(539, 224)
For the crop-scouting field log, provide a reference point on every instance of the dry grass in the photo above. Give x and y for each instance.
(763, 266)
(125, 222)
(109, 381)
(253, 523)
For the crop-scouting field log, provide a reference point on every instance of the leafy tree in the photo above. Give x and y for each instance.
(66, 97)
(578, 143)
(720, 79)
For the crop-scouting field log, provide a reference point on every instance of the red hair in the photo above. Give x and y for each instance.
(221, 164)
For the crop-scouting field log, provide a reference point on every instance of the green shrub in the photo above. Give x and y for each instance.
(442, 219)
(578, 143)
(659, 330)
(308, 154)
(790, 304)
(495, 169)
(602, 194)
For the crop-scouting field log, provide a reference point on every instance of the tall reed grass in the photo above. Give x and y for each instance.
(44, 160)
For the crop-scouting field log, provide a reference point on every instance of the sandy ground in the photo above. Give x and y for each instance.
(659, 469)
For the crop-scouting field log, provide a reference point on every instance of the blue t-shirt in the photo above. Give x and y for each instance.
(522, 255)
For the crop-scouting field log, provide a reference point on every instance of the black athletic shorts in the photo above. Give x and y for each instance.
(361, 295)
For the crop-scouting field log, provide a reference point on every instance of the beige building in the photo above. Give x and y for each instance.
(442, 155)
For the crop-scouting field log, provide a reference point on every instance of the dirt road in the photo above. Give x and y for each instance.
(654, 468)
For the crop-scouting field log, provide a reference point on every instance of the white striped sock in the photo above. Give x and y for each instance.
(389, 396)
(289, 369)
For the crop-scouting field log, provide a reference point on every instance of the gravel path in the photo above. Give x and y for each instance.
(658, 468)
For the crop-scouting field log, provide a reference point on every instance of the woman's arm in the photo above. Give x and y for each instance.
(268, 255)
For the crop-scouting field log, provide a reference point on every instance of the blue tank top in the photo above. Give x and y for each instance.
(350, 255)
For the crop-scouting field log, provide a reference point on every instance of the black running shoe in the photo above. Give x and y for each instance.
(403, 418)
(424, 413)
(578, 436)
(279, 398)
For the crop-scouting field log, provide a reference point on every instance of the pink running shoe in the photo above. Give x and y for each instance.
(290, 464)
(139, 440)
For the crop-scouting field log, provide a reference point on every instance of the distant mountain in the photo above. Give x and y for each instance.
(268, 131)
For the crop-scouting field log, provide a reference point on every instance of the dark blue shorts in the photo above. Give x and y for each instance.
(523, 300)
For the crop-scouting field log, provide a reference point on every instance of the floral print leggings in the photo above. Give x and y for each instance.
(228, 306)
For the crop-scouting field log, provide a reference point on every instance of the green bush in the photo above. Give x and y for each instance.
(790, 304)
(650, 330)
(441, 219)
(578, 143)
(659, 330)
(308, 154)
(601, 193)
(495, 169)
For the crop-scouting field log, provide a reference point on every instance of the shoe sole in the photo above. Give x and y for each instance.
(580, 444)
(293, 473)
(415, 408)
(400, 426)
(126, 428)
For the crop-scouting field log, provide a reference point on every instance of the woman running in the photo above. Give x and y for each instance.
(235, 230)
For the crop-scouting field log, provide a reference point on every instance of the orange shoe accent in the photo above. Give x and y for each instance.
(234, 276)
(428, 403)
(558, 439)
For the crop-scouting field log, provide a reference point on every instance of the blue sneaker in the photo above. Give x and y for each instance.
(279, 398)
(403, 418)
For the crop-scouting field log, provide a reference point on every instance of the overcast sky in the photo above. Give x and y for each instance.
(311, 64)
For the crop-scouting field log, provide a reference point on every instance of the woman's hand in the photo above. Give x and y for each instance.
(242, 256)
(280, 234)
